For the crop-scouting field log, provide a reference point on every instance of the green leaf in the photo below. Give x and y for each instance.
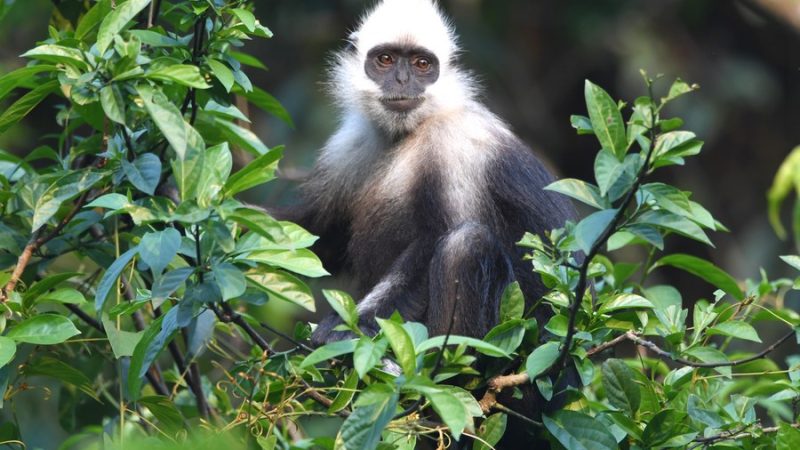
(169, 120)
(792, 260)
(123, 343)
(258, 171)
(479, 345)
(60, 370)
(607, 170)
(710, 355)
(58, 54)
(579, 190)
(588, 231)
(23, 75)
(246, 17)
(676, 223)
(578, 431)
(110, 277)
(266, 102)
(41, 287)
(67, 296)
(507, 336)
(363, 428)
(92, 19)
(606, 120)
(491, 431)
(155, 39)
(116, 21)
(44, 329)
(221, 72)
(149, 346)
(786, 179)
(788, 438)
(25, 104)
(367, 354)
(144, 173)
(8, 348)
(678, 88)
(202, 174)
(329, 351)
(240, 137)
(703, 269)
(248, 60)
(622, 392)
(184, 74)
(301, 261)
(665, 425)
(582, 124)
(343, 305)
(113, 104)
(625, 301)
(60, 191)
(512, 303)
(110, 201)
(677, 144)
(158, 248)
(230, 280)
(283, 286)
(451, 410)
(402, 345)
(164, 409)
(346, 394)
(445, 402)
(541, 359)
(736, 329)
(165, 285)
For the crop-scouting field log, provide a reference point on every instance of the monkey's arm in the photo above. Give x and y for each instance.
(403, 288)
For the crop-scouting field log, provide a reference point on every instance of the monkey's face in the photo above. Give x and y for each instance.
(402, 73)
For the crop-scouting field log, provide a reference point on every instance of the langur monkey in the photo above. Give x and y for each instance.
(422, 193)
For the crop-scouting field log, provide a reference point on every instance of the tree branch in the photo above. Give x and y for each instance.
(35, 243)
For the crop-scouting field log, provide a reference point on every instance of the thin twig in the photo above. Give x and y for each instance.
(35, 243)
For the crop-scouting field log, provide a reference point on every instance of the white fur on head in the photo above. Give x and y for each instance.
(415, 22)
(407, 22)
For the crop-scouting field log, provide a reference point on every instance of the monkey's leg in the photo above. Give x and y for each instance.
(469, 271)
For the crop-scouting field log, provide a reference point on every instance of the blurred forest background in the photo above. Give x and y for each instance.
(532, 57)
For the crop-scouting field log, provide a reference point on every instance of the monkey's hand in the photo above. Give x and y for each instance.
(325, 333)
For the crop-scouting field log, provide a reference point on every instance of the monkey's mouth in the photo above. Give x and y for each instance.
(402, 104)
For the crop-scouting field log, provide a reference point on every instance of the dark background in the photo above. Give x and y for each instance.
(533, 58)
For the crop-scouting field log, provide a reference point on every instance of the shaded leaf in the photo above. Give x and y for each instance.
(705, 270)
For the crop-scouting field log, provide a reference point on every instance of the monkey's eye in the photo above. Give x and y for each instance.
(423, 64)
(385, 59)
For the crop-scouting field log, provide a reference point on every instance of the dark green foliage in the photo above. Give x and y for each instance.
(135, 206)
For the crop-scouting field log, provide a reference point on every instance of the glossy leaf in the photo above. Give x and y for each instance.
(184, 74)
(116, 21)
(579, 190)
(606, 119)
(8, 348)
(158, 248)
(329, 351)
(367, 354)
(401, 344)
(588, 231)
(44, 329)
(541, 359)
(144, 173)
(621, 390)
(110, 277)
(578, 431)
(705, 270)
